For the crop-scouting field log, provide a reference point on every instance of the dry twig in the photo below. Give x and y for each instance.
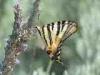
(18, 39)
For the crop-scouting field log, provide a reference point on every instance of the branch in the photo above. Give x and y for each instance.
(13, 44)
(17, 42)
(34, 13)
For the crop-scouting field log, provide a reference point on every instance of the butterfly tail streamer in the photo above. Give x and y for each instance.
(63, 65)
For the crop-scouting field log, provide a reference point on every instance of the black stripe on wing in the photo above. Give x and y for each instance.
(49, 33)
(39, 31)
(58, 27)
(52, 25)
(44, 35)
(63, 24)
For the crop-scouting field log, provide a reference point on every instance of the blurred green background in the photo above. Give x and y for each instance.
(80, 53)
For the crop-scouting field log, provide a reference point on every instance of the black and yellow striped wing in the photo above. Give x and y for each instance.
(54, 34)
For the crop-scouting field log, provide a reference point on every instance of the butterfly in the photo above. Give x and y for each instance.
(54, 34)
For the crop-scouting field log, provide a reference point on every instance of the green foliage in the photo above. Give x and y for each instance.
(81, 53)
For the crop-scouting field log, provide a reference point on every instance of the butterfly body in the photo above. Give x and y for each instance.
(54, 35)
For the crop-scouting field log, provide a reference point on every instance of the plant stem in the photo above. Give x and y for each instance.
(49, 67)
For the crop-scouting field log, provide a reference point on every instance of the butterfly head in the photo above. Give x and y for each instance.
(54, 54)
(50, 53)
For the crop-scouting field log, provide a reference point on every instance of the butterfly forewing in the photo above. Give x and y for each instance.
(54, 34)
(72, 28)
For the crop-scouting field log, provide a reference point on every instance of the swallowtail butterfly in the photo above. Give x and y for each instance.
(54, 35)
